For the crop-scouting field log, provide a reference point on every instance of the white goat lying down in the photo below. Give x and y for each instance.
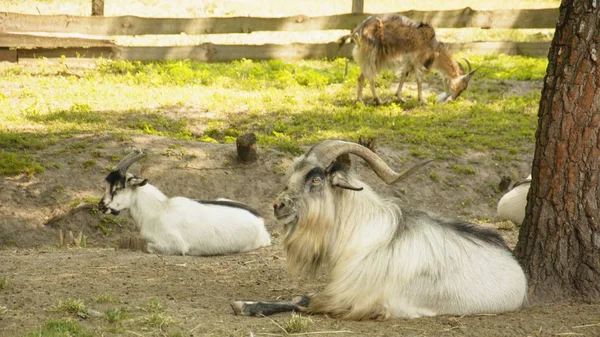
(180, 225)
(512, 205)
(383, 260)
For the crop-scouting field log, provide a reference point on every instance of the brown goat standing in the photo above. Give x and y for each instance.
(397, 42)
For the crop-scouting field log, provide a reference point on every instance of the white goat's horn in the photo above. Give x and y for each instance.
(327, 151)
(131, 158)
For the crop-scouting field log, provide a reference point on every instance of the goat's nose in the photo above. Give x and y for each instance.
(277, 205)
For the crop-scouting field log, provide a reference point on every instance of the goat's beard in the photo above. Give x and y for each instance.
(306, 242)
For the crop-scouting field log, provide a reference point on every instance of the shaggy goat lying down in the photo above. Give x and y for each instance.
(512, 205)
(181, 226)
(384, 260)
(393, 41)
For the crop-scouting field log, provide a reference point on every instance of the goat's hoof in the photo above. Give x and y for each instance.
(378, 101)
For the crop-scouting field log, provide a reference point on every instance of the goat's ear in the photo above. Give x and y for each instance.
(341, 163)
(339, 180)
(136, 182)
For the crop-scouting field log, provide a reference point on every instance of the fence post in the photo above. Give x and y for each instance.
(358, 6)
(97, 7)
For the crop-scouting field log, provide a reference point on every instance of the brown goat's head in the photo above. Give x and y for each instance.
(456, 85)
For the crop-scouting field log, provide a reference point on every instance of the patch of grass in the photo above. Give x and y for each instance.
(61, 328)
(15, 163)
(153, 305)
(155, 315)
(434, 176)
(468, 170)
(115, 315)
(88, 199)
(108, 298)
(23, 141)
(71, 306)
(506, 225)
(155, 320)
(287, 105)
(3, 310)
(505, 67)
(88, 164)
(108, 223)
(297, 323)
(3, 282)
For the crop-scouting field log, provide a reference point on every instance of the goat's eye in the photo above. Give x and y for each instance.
(316, 180)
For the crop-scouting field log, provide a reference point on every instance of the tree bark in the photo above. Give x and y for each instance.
(559, 241)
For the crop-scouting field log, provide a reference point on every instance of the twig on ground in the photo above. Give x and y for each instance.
(160, 257)
(194, 329)
(210, 168)
(586, 326)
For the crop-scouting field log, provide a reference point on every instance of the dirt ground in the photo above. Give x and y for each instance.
(196, 291)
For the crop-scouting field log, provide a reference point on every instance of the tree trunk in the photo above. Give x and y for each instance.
(246, 148)
(559, 241)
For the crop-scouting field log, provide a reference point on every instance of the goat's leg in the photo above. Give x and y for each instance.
(168, 245)
(403, 76)
(420, 88)
(250, 308)
(359, 87)
(372, 85)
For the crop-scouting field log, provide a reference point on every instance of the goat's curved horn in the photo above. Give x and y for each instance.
(327, 151)
(462, 69)
(468, 64)
(131, 158)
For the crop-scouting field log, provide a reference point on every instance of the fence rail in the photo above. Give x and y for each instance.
(24, 35)
(135, 25)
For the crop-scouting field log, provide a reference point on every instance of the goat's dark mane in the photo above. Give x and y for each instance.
(229, 203)
(477, 232)
(474, 233)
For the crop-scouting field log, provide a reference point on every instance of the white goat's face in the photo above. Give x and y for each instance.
(309, 192)
(119, 191)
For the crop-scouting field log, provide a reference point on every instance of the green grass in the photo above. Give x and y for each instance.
(3, 282)
(72, 307)
(468, 170)
(108, 298)
(155, 316)
(115, 315)
(297, 323)
(61, 328)
(288, 106)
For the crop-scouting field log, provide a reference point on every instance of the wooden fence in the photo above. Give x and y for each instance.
(25, 36)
